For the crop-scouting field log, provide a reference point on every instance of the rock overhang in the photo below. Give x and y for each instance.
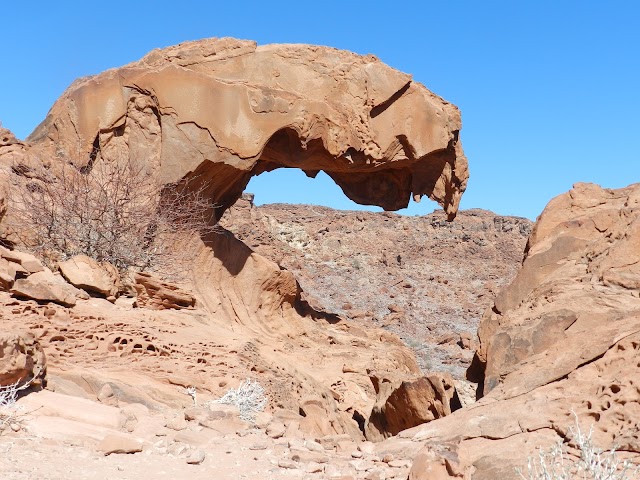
(224, 110)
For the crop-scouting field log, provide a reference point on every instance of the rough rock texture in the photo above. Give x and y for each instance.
(86, 273)
(156, 294)
(397, 272)
(223, 110)
(563, 336)
(411, 403)
(22, 359)
(47, 287)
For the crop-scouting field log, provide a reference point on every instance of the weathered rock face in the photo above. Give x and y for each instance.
(86, 273)
(410, 403)
(21, 359)
(564, 336)
(215, 113)
(223, 110)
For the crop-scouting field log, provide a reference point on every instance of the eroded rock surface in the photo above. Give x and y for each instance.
(397, 272)
(563, 336)
(223, 110)
(22, 358)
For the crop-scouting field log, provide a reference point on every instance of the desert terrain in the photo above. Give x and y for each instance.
(297, 341)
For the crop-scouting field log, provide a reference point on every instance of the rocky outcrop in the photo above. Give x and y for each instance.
(223, 110)
(563, 337)
(410, 403)
(22, 359)
(209, 115)
(46, 286)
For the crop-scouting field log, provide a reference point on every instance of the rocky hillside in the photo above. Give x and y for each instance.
(304, 328)
(424, 278)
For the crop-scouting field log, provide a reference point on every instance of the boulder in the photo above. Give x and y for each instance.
(7, 274)
(410, 403)
(44, 286)
(119, 444)
(22, 359)
(28, 262)
(86, 273)
(155, 294)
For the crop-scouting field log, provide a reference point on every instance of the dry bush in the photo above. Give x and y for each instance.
(593, 464)
(113, 212)
(249, 397)
(9, 411)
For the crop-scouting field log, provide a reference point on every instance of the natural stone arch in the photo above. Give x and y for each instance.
(223, 110)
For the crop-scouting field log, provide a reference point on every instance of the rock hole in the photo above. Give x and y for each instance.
(360, 420)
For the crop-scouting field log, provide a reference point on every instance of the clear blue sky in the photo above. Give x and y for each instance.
(549, 90)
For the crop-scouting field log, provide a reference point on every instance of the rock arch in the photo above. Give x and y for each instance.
(226, 109)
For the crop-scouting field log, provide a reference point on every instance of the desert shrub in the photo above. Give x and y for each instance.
(9, 411)
(593, 464)
(113, 212)
(249, 397)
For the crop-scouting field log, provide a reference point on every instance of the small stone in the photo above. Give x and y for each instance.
(288, 464)
(177, 423)
(259, 446)
(119, 444)
(276, 430)
(388, 457)
(106, 395)
(313, 467)
(399, 463)
(357, 454)
(196, 457)
(177, 449)
(314, 446)
(15, 427)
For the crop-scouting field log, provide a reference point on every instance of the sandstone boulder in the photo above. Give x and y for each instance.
(86, 273)
(22, 359)
(7, 274)
(44, 286)
(156, 294)
(119, 444)
(410, 403)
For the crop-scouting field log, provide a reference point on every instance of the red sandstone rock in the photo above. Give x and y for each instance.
(86, 273)
(22, 359)
(563, 337)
